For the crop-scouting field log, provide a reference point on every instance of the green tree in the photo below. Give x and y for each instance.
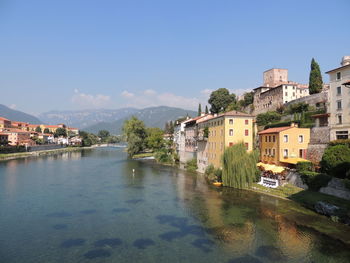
(38, 129)
(88, 139)
(46, 130)
(135, 133)
(60, 132)
(336, 161)
(155, 140)
(103, 134)
(220, 99)
(248, 98)
(199, 109)
(239, 168)
(171, 127)
(206, 109)
(263, 119)
(315, 79)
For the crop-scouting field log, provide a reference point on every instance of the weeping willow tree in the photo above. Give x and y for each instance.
(239, 168)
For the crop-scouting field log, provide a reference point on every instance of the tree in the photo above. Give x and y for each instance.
(46, 130)
(199, 109)
(239, 168)
(315, 79)
(248, 98)
(171, 127)
(60, 132)
(336, 161)
(103, 134)
(220, 99)
(206, 109)
(166, 128)
(38, 129)
(155, 140)
(88, 139)
(263, 119)
(135, 132)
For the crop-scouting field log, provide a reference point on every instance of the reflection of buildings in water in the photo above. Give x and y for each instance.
(11, 177)
(289, 239)
(75, 155)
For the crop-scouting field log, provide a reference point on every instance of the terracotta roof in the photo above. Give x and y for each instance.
(1, 133)
(205, 118)
(3, 119)
(14, 130)
(275, 130)
(51, 126)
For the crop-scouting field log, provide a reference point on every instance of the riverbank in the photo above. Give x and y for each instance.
(11, 156)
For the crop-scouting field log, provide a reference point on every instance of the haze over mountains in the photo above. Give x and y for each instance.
(112, 120)
(16, 115)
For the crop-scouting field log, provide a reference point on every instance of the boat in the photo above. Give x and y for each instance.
(217, 183)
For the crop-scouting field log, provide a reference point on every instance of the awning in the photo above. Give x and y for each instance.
(271, 167)
(294, 160)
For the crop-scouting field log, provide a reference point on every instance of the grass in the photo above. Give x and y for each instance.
(282, 191)
(142, 155)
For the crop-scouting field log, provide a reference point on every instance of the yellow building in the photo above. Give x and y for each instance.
(284, 145)
(225, 130)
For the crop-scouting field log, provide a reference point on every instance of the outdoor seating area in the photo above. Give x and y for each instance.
(272, 175)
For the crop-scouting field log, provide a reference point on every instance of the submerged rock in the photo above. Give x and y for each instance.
(326, 209)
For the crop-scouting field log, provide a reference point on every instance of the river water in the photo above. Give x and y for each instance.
(89, 207)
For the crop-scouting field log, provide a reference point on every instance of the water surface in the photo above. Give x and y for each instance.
(89, 207)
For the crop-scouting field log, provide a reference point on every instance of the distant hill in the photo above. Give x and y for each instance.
(152, 117)
(15, 115)
(85, 118)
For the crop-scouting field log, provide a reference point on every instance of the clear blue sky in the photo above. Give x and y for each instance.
(58, 55)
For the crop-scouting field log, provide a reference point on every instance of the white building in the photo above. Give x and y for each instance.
(339, 95)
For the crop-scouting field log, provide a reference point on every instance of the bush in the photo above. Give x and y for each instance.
(281, 124)
(315, 180)
(268, 117)
(191, 165)
(345, 142)
(304, 166)
(163, 156)
(336, 161)
(209, 170)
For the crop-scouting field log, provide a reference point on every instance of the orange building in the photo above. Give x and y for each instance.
(4, 123)
(18, 137)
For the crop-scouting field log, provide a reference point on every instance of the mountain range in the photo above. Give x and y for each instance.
(112, 120)
(15, 115)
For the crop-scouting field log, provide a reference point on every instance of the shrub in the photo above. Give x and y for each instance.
(315, 180)
(336, 161)
(163, 156)
(268, 117)
(191, 165)
(209, 170)
(218, 174)
(345, 142)
(305, 166)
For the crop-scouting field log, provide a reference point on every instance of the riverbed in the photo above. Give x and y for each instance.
(89, 206)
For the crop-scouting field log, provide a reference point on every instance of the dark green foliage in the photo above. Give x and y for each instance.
(88, 139)
(213, 174)
(345, 142)
(38, 129)
(347, 183)
(60, 132)
(298, 108)
(263, 119)
(206, 109)
(46, 130)
(336, 161)
(199, 109)
(239, 168)
(304, 166)
(12, 149)
(163, 156)
(191, 165)
(280, 124)
(315, 79)
(206, 132)
(154, 140)
(134, 131)
(103, 134)
(220, 99)
(315, 180)
(248, 98)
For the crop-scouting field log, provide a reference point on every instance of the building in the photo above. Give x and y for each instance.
(284, 145)
(202, 143)
(276, 91)
(339, 108)
(225, 130)
(18, 137)
(4, 138)
(4, 123)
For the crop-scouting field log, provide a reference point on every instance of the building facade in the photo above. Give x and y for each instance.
(283, 145)
(276, 91)
(339, 108)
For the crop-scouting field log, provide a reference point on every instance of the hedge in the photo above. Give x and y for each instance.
(345, 142)
(304, 166)
(336, 161)
(315, 180)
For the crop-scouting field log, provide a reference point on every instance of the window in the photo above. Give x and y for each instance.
(265, 151)
(293, 94)
(286, 93)
(285, 153)
(246, 122)
(274, 138)
(231, 132)
(301, 138)
(246, 146)
(338, 75)
(340, 119)
(265, 138)
(269, 151)
(273, 152)
(246, 132)
(338, 104)
(342, 135)
(339, 90)
(230, 121)
(285, 138)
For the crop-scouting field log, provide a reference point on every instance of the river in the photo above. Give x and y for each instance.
(90, 207)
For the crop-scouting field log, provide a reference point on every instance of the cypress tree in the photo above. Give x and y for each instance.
(199, 109)
(315, 79)
(206, 109)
